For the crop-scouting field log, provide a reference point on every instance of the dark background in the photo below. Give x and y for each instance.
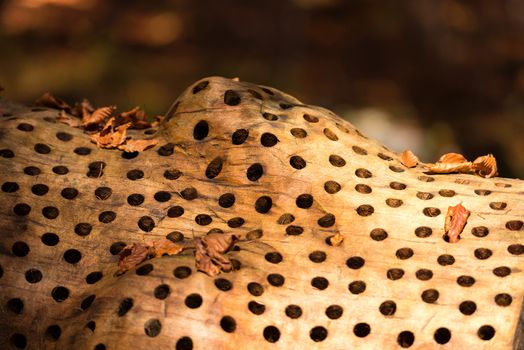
(433, 76)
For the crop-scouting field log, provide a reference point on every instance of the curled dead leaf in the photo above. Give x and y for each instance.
(336, 240)
(98, 116)
(209, 254)
(409, 159)
(137, 145)
(48, 100)
(456, 219)
(452, 158)
(109, 136)
(83, 109)
(445, 168)
(132, 256)
(167, 247)
(65, 118)
(485, 166)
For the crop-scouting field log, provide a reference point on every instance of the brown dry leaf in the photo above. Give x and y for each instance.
(83, 109)
(209, 254)
(452, 158)
(137, 145)
(48, 100)
(409, 159)
(456, 219)
(65, 118)
(98, 116)
(110, 137)
(485, 166)
(336, 240)
(132, 256)
(445, 168)
(168, 247)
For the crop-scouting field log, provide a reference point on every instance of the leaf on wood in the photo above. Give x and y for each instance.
(336, 240)
(48, 100)
(452, 158)
(209, 254)
(98, 116)
(485, 166)
(409, 159)
(167, 247)
(109, 136)
(65, 118)
(137, 145)
(83, 109)
(446, 168)
(456, 219)
(137, 116)
(132, 256)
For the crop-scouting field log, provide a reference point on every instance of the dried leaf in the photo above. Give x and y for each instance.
(83, 109)
(485, 166)
(48, 100)
(98, 116)
(408, 159)
(132, 256)
(65, 118)
(456, 219)
(336, 240)
(137, 145)
(452, 158)
(168, 247)
(209, 254)
(110, 137)
(445, 168)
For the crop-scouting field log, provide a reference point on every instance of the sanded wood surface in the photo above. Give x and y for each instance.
(282, 175)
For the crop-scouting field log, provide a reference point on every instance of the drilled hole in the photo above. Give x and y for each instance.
(430, 296)
(396, 169)
(193, 301)
(255, 289)
(271, 334)
(239, 136)
(268, 139)
(273, 257)
(357, 287)
(480, 231)
(431, 212)
(336, 160)
(182, 272)
(256, 308)
(424, 274)
(363, 173)
(498, 205)
(228, 324)
(152, 327)
(404, 253)
(361, 188)
(359, 150)
(378, 234)
(318, 334)
(447, 193)
(514, 225)
(298, 133)
(516, 249)
(365, 210)
(405, 339)
(394, 203)
(355, 262)
(502, 271)
(297, 162)
(424, 195)
(201, 130)
(330, 134)
(255, 172)
(310, 118)
(293, 311)
(483, 253)
(388, 308)
(465, 281)
(486, 332)
(394, 274)
(362, 330)
(270, 116)
(200, 86)
(317, 256)
(332, 187)
(442, 335)
(423, 232)
(214, 168)
(397, 185)
(276, 279)
(468, 307)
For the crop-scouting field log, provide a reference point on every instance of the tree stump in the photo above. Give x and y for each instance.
(287, 179)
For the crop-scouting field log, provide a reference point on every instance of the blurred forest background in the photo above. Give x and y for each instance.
(433, 76)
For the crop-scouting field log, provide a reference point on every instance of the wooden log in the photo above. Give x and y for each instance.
(235, 157)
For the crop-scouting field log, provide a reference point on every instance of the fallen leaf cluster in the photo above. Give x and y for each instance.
(336, 240)
(133, 255)
(485, 166)
(456, 219)
(209, 253)
(106, 129)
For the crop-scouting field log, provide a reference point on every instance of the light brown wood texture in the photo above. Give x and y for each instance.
(393, 283)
